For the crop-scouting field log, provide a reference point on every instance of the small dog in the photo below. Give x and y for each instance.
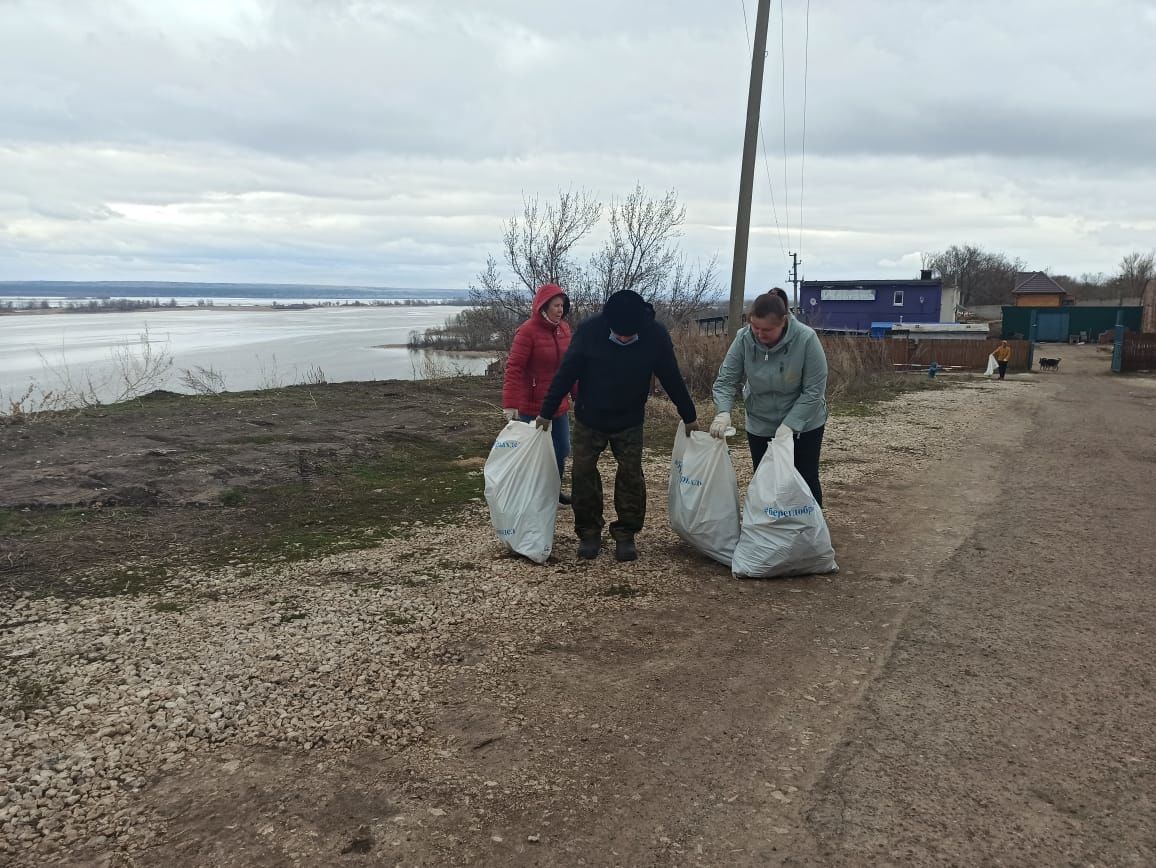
(1049, 364)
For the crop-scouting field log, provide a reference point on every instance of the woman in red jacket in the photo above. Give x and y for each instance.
(535, 356)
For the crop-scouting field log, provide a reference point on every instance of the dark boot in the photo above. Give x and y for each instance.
(589, 548)
(565, 499)
(625, 550)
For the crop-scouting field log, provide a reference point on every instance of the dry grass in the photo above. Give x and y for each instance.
(853, 363)
(699, 358)
(435, 366)
(860, 375)
(854, 366)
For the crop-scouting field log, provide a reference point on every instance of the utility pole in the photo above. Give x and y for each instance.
(795, 280)
(747, 177)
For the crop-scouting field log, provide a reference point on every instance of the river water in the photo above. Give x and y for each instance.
(250, 349)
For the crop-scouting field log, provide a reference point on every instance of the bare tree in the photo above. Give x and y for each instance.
(1088, 286)
(537, 249)
(690, 291)
(983, 277)
(1136, 269)
(640, 253)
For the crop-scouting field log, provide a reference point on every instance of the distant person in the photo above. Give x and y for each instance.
(1002, 355)
(783, 368)
(539, 345)
(612, 358)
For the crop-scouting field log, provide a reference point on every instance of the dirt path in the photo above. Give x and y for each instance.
(1013, 720)
(975, 686)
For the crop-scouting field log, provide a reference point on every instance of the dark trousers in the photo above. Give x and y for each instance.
(1002, 368)
(629, 484)
(559, 436)
(808, 445)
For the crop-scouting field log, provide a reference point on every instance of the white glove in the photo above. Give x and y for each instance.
(718, 428)
(510, 413)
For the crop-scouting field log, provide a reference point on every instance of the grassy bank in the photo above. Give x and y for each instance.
(237, 479)
(272, 476)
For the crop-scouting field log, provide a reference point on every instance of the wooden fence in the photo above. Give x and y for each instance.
(1139, 352)
(961, 354)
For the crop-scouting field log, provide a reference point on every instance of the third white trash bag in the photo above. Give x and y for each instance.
(522, 488)
(992, 364)
(704, 495)
(784, 532)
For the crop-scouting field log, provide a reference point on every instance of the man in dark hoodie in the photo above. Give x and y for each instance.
(612, 357)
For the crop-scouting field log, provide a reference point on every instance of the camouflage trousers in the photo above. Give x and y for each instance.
(629, 485)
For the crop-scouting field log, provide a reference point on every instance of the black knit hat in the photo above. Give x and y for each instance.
(625, 312)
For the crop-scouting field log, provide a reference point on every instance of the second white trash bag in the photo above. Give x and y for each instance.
(992, 364)
(704, 495)
(784, 532)
(522, 487)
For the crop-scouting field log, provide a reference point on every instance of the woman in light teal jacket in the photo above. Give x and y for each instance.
(784, 371)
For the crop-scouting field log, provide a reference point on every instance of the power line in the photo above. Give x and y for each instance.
(763, 146)
(771, 186)
(803, 140)
(783, 83)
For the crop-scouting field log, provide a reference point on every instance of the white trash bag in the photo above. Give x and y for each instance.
(784, 532)
(522, 487)
(992, 365)
(704, 495)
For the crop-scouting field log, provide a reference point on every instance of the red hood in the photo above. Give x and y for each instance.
(546, 292)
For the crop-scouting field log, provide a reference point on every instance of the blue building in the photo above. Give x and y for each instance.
(858, 305)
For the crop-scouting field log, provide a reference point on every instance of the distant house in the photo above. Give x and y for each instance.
(1036, 289)
(859, 305)
(1071, 322)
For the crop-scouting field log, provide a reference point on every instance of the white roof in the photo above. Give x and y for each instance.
(958, 327)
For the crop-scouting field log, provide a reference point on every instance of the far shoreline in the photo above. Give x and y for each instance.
(258, 308)
(469, 354)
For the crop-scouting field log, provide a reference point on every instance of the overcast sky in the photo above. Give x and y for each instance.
(383, 143)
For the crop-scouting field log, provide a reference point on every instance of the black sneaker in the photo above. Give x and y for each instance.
(625, 550)
(588, 549)
(565, 499)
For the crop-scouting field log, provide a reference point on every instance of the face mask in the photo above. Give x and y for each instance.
(614, 339)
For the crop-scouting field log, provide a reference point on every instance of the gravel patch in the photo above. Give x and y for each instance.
(100, 697)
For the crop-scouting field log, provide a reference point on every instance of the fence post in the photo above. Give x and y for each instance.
(1032, 338)
(1118, 349)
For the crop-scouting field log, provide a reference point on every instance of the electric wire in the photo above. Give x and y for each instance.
(803, 137)
(783, 105)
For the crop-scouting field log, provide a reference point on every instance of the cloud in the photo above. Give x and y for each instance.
(71, 211)
(909, 262)
(361, 141)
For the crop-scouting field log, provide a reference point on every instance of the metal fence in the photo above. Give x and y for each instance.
(968, 355)
(1139, 352)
